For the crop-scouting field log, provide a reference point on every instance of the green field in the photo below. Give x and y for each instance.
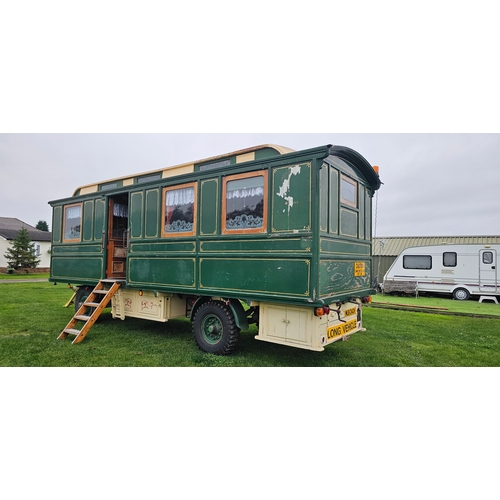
(24, 276)
(32, 315)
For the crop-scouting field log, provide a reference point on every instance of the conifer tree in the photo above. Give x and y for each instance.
(42, 225)
(22, 253)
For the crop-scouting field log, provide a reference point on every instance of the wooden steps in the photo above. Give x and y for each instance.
(97, 307)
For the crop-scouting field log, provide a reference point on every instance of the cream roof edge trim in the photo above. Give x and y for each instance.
(93, 187)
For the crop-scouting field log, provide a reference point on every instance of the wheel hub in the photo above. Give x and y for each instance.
(212, 329)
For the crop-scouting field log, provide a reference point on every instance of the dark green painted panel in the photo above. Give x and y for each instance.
(291, 195)
(152, 214)
(348, 223)
(136, 214)
(161, 271)
(76, 248)
(323, 198)
(340, 247)
(209, 207)
(303, 244)
(88, 220)
(334, 201)
(160, 247)
(77, 267)
(337, 276)
(57, 224)
(100, 207)
(268, 276)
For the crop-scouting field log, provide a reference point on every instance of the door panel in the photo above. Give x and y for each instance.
(117, 236)
(488, 270)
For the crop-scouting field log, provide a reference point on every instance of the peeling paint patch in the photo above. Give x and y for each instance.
(285, 187)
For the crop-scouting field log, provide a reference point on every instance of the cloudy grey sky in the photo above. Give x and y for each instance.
(357, 67)
(433, 184)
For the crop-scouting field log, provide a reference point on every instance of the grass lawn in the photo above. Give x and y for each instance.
(24, 276)
(472, 306)
(32, 315)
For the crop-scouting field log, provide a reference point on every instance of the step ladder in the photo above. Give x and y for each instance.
(97, 300)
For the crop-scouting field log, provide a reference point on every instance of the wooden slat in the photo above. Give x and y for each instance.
(89, 320)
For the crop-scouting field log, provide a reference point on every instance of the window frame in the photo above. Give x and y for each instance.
(176, 187)
(417, 268)
(353, 183)
(246, 175)
(450, 265)
(72, 240)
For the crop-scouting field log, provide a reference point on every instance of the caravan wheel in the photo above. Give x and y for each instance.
(214, 328)
(461, 294)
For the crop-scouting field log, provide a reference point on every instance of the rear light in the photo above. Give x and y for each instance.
(367, 299)
(321, 311)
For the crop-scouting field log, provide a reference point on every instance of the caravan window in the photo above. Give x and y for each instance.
(417, 262)
(179, 214)
(72, 223)
(487, 257)
(244, 207)
(449, 259)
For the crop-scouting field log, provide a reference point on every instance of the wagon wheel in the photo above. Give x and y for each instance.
(214, 328)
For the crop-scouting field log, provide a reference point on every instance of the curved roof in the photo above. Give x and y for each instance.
(241, 156)
(358, 161)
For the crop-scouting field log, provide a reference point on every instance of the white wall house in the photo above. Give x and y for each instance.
(9, 229)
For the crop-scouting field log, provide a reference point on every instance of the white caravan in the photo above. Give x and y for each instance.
(462, 270)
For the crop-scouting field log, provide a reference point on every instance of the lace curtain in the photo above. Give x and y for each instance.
(183, 196)
(73, 212)
(120, 210)
(245, 193)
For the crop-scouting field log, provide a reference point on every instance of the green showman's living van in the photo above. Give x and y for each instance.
(265, 235)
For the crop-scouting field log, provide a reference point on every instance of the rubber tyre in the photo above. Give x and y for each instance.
(214, 328)
(81, 296)
(461, 294)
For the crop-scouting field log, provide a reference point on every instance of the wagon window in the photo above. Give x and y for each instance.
(72, 223)
(244, 203)
(179, 214)
(417, 262)
(349, 192)
(449, 259)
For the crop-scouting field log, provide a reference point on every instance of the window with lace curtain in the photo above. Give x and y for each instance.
(244, 205)
(72, 223)
(179, 210)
